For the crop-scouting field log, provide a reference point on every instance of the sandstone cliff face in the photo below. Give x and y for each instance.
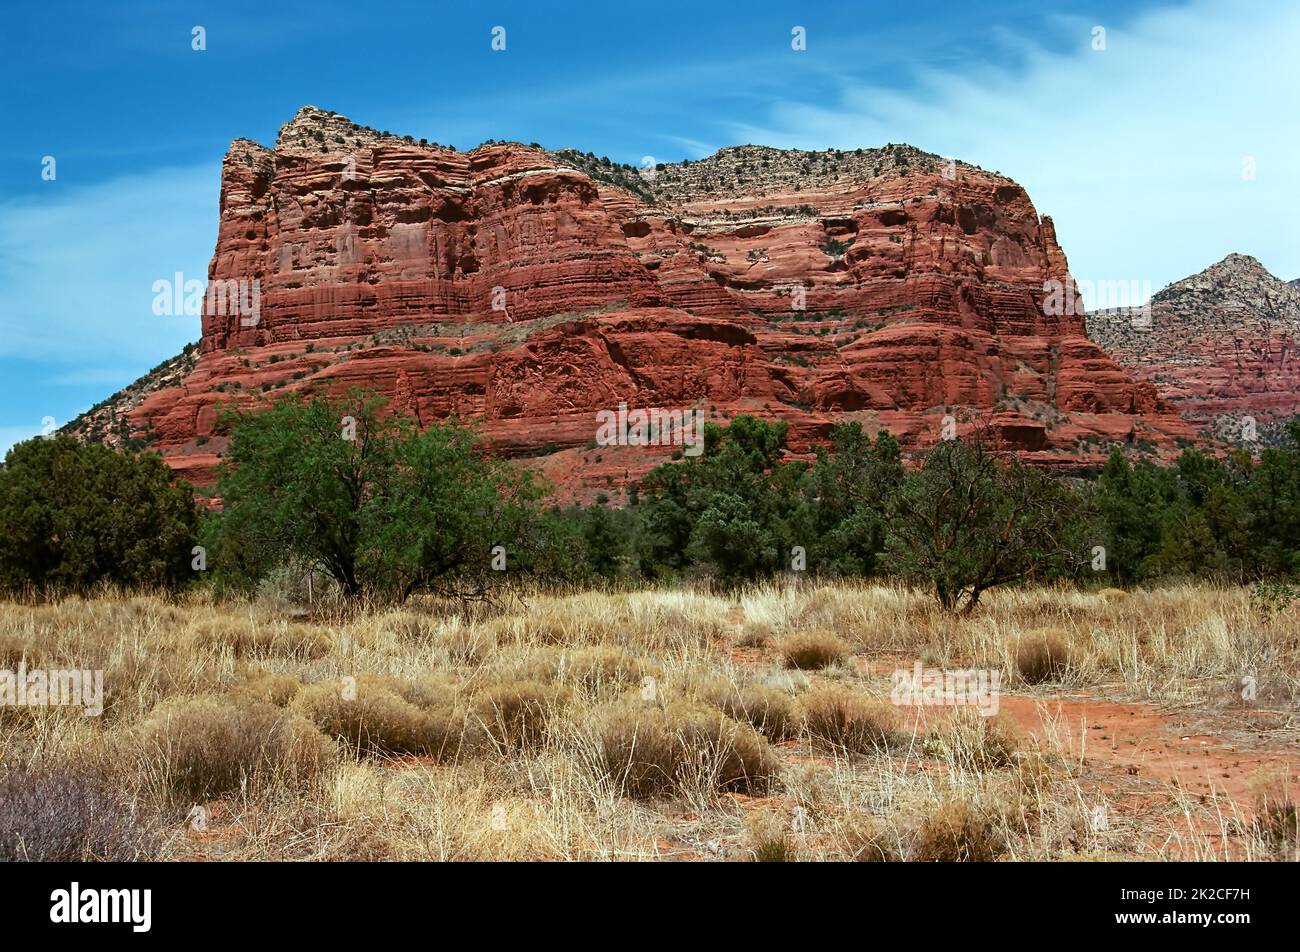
(1220, 346)
(530, 289)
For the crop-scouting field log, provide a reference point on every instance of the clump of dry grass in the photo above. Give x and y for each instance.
(1043, 655)
(755, 634)
(769, 837)
(1276, 822)
(371, 716)
(408, 626)
(431, 691)
(246, 638)
(843, 719)
(601, 668)
(648, 751)
(515, 715)
(205, 747)
(16, 648)
(523, 663)
(267, 686)
(547, 624)
(972, 741)
(468, 647)
(957, 831)
(1033, 774)
(770, 711)
(864, 839)
(812, 650)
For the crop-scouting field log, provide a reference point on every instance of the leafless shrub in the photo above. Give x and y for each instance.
(60, 817)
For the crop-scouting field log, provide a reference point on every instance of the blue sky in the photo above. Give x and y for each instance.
(1136, 150)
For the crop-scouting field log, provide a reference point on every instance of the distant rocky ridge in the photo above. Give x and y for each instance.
(529, 289)
(1223, 346)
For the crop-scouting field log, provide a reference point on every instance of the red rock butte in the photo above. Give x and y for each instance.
(527, 290)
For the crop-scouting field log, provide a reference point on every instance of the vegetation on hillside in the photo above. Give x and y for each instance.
(745, 718)
(384, 510)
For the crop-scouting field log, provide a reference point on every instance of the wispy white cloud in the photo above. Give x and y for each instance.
(115, 377)
(1136, 151)
(77, 269)
(695, 147)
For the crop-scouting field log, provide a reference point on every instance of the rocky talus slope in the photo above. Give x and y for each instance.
(1220, 346)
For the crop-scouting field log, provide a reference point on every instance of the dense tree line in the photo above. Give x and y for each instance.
(386, 510)
(1233, 518)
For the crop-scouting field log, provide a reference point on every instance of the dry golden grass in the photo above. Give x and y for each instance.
(769, 710)
(1276, 821)
(206, 747)
(1043, 655)
(842, 719)
(516, 715)
(248, 638)
(957, 831)
(371, 715)
(643, 750)
(973, 741)
(605, 725)
(16, 648)
(810, 650)
(867, 840)
(770, 839)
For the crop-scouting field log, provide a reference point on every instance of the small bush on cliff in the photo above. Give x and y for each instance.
(74, 515)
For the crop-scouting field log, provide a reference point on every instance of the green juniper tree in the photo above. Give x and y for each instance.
(729, 508)
(74, 515)
(966, 521)
(380, 507)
